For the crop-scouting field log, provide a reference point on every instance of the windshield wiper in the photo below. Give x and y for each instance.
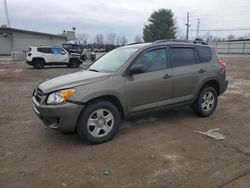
(94, 70)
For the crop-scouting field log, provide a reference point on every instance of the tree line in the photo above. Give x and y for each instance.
(108, 41)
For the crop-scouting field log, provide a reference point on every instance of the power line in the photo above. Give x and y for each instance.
(221, 29)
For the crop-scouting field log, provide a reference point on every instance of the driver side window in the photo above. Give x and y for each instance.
(57, 51)
(153, 60)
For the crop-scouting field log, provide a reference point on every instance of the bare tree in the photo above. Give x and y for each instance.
(82, 38)
(230, 37)
(85, 38)
(123, 41)
(118, 40)
(138, 39)
(111, 38)
(99, 40)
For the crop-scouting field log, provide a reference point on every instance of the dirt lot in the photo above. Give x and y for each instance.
(157, 151)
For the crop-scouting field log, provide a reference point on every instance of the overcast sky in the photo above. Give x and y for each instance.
(125, 17)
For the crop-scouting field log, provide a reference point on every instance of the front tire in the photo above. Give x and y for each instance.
(73, 63)
(38, 63)
(98, 122)
(206, 102)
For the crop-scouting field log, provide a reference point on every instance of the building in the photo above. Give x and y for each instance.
(18, 40)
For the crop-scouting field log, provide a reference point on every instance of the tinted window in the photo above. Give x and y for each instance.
(182, 56)
(57, 51)
(44, 50)
(153, 60)
(204, 53)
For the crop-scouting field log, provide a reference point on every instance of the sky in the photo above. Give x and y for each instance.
(126, 17)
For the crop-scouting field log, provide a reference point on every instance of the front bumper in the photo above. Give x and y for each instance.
(62, 117)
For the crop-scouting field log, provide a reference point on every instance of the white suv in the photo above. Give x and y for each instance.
(39, 56)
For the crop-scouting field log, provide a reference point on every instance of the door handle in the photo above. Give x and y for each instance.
(166, 76)
(202, 71)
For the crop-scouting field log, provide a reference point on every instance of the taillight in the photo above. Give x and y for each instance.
(222, 63)
(29, 54)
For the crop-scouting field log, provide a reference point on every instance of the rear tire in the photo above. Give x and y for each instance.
(206, 102)
(38, 63)
(73, 63)
(98, 122)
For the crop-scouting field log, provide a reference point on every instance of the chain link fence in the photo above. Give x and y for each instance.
(235, 47)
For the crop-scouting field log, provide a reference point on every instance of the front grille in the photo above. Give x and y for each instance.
(38, 95)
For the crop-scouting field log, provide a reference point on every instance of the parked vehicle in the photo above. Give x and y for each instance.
(75, 49)
(89, 54)
(72, 48)
(39, 56)
(128, 81)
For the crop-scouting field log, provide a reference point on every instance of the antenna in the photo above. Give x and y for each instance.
(6, 13)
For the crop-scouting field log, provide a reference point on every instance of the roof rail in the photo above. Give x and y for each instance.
(134, 43)
(196, 41)
(170, 40)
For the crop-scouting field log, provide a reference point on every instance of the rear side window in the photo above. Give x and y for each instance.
(29, 49)
(204, 53)
(182, 56)
(44, 50)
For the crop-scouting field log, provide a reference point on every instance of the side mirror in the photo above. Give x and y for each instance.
(136, 69)
(63, 52)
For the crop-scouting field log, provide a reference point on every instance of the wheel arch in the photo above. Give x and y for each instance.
(110, 98)
(212, 83)
(38, 58)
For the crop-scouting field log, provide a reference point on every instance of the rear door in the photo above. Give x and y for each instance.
(205, 59)
(152, 88)
(186, 72)
(45, 53)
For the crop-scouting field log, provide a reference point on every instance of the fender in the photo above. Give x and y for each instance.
(210, 79)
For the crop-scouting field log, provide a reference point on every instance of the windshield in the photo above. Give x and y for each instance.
(113, 60)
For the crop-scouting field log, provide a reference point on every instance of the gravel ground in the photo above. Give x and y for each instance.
(152, 151)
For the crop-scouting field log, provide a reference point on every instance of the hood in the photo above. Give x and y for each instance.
(72, 80)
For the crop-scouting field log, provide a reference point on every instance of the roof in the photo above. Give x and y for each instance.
(8, 29)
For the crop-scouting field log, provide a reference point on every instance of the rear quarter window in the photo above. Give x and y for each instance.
(44, 50)
(204, 53)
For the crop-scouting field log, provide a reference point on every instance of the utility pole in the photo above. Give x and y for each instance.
(198, 28)
(10, 35)
(188, 25)
(6, 13)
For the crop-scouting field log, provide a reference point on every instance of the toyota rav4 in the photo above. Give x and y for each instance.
(129, 81)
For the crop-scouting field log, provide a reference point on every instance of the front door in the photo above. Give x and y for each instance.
(153, 87)
(59, 55)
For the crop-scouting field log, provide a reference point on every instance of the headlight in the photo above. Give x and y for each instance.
(60, 96)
